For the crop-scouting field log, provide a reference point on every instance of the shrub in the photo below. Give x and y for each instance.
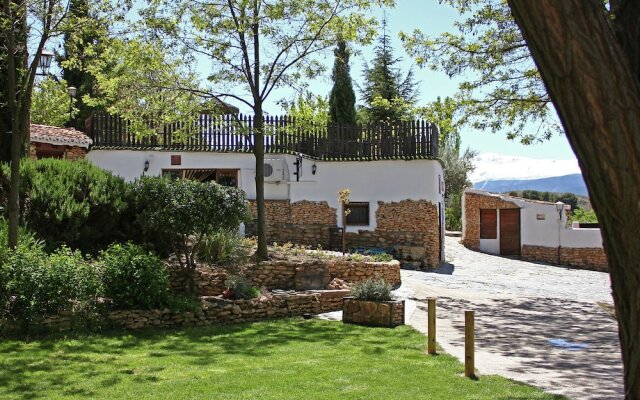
(372, 289)
(133, 277)
(179, 214)
(241, 288)
(35, 284)
(382, 257)
(224, 247)
(70, 203)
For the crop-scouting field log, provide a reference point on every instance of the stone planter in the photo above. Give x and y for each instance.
(373, 313)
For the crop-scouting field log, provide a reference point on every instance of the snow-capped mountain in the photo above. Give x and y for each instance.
(492, 166)
(502, 173)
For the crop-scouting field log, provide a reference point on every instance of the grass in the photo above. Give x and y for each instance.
(285, 359)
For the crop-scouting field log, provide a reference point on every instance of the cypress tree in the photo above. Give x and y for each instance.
(342, 99)
(75, 42)
(386, 91)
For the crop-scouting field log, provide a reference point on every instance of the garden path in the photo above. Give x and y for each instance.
(535, 323)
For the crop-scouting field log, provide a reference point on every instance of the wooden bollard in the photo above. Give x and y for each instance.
(469, 345)
(431, 325)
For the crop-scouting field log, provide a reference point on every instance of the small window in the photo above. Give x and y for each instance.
(227, 177)
(224, 177)
(488, 224)
(359, 213)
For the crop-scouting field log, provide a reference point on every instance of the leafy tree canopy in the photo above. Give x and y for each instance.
(501, 89)
(308, 110)
(51, 103)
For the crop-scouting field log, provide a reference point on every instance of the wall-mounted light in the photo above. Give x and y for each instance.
(314, 168)
(146, 165)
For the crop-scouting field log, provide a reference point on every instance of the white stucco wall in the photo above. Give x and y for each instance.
(369, 181)
(581, 237)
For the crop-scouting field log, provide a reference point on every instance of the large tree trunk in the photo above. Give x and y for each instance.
(258, 131)
(590, 73)
(16, 133)
(258, 151)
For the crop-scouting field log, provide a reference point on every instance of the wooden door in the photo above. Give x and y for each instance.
(510, 232)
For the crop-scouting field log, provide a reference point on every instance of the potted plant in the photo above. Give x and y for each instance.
(371, 304)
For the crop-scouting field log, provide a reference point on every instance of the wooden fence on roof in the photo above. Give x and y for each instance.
(400, 140)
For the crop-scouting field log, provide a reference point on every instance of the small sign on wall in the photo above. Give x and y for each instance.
(176, 159)
(541, 217)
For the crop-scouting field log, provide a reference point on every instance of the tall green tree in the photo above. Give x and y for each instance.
(588, 54)
(22, 22)
(342, 99)
(257, 46)
(388, 94)
(76, 59)
(19, 32)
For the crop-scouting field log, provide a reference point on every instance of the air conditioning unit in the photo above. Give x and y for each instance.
(275, 170)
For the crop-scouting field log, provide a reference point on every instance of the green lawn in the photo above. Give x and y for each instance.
(286, 359)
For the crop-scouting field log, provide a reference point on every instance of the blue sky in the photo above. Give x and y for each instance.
(432, 17)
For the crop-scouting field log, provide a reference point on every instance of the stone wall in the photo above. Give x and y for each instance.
(70, 152)
(410, 227)
(212, 310)
(585, 258)
(374, 313)
(281, 274)
(473, 203)
(75, 153)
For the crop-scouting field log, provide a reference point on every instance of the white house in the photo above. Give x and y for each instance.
(396, 181)
(534, 230)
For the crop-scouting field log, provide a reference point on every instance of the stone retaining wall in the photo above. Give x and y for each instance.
(411, 227)
(586, 258)
(212, 310)
(282, 274)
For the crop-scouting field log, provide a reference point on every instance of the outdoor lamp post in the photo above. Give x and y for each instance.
(559, 208)
(45, 61)
(72, 94)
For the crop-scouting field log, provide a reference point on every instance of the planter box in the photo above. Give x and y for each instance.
(373, 313)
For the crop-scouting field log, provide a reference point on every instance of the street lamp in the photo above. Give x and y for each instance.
(45, 61)
(559, 208)
(72, 94)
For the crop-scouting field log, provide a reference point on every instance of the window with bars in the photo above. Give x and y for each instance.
(358, 214)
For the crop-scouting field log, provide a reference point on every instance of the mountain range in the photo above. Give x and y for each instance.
(501, 173)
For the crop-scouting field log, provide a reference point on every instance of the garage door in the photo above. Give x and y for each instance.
(510, 232)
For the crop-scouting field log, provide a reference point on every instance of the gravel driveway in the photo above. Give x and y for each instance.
(535, 323)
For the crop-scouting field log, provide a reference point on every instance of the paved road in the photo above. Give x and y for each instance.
(525, 314)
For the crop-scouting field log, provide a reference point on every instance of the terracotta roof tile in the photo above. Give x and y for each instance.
(59, 136)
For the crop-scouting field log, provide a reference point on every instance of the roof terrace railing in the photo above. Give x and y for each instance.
(399, 140)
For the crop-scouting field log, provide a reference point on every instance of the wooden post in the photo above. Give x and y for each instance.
(431, 325)
(469, 345)
(344, 229)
